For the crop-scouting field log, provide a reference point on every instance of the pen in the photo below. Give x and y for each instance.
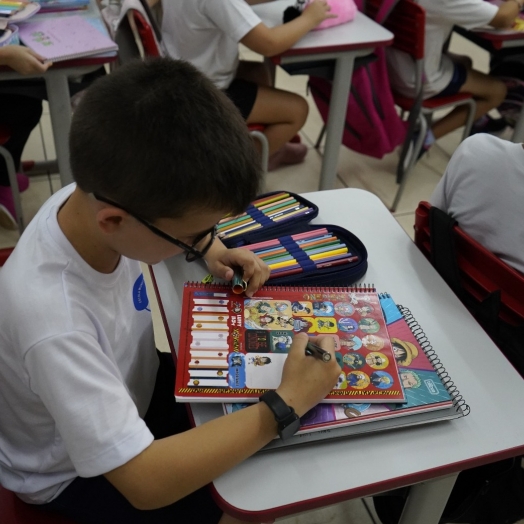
(238, 284)
(317, 352)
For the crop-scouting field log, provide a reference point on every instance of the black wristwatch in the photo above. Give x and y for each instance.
(287, 420)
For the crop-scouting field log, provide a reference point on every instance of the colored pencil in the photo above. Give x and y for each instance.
(324, 249)
(268, 200)
(283, 264)
(300, 212)
(240, 231)
(309, 234)
(267, 206)
(266, 243)
(337, 262)
(285, 273)
(330, 253)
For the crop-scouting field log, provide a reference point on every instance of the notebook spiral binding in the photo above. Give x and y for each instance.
(356, 288)
(422, 339)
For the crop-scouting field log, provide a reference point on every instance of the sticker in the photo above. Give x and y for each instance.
(344, 309)
(280, 341)
(301, 308)
(377, 360)
(257, 341)
(368, 325)
(372, 342)
(323, 309)
(354, 360)
(350, 342)
(365, 310)
(347, 324)
(358, 379)
(304, 325)
(325, 325)
(381, 379)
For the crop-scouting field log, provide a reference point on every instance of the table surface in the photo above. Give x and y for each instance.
(319, 474)
(362, 32)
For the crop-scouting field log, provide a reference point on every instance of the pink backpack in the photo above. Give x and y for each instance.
(373, 126)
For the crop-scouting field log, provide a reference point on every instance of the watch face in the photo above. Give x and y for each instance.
(288, 429)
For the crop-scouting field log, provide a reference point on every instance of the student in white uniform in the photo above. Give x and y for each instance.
(483, 189)
(88, 423)
(207, 33)
(447, 74)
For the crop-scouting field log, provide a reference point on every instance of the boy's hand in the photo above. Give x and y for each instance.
(23, 60)
(307, 380)
(221, 262)
(318, 11)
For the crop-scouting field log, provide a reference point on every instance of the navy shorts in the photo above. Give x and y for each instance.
(243, 94)
(460, 73)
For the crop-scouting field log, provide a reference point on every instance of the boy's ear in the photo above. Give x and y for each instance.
(110, 219)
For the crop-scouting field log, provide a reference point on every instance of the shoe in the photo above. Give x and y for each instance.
(7, 209)
(486, 124)
(288, 154)
(23, 182)
(296, 139)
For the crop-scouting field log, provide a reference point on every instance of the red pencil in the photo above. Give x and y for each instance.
(336, 262)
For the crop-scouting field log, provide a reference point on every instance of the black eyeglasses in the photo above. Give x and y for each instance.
(192, 254)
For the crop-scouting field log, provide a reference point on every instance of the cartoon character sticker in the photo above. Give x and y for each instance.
(354, 360)
(344, 309)
(365, 310)
(301, 308)
(304, 325)
(372, 342)
(368, 325)
(280, 341)
(350, 342)
(348, 325)
(341, 382)
(323, 309)
(381, 379)
(410, 379)
(377, 360)
(358, 379)
(325, 325)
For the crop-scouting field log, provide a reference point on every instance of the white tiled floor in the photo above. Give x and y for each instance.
(354, 170)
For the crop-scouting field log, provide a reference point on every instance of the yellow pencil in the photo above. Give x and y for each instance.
(12, 4)
(283, 264)
(244, 230)
(329, 253)
(274, 198)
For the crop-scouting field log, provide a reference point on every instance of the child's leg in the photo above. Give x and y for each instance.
(260, 73)
(283, 113)
(488, 91)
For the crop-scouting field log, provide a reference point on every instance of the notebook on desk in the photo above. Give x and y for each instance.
(66, 38)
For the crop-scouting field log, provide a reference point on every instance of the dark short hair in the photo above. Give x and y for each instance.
(160, 139)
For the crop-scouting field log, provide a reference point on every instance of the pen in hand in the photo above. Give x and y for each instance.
(317, 352)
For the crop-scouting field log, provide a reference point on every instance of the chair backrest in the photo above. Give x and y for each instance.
(407, 21)
(14, 511)
(481, 273)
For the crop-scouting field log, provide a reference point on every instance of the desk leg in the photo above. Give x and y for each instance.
(336, 118)
(518, 132)
(60, 110)
(427, 500)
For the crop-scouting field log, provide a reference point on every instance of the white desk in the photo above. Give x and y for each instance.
(56, 80)
(343, 43)
(292, 480)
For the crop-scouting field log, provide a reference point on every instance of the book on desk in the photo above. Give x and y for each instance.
(430, 393)
(234, 348)
(65, 38)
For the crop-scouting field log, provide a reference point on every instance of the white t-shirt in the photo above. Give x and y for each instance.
(483, 189)
(441, 16)
(206, 33)
(77, 362)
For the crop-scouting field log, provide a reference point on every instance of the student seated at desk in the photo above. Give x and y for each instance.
(20, 114)
(447, 74)
(207, 32)
(483, 189)
(159, 156)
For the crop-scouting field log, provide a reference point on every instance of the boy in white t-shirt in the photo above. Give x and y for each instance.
(88, 424)
(483, 190)
(207, 33)
(446, 74)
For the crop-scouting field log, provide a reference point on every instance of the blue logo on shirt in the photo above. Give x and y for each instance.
(140, 299)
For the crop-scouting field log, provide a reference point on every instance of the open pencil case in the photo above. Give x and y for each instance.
(322, 254)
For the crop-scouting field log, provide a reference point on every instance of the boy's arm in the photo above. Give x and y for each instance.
(255, 2)
(173, 467)
(508, 11)
(275, 40)
(22, 59)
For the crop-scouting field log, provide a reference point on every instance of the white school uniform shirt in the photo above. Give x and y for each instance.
(77, 362)
(483, 189)
(441, 16)
(206, 33)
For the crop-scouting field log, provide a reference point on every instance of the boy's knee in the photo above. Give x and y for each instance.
(301, 109)
(498, 92)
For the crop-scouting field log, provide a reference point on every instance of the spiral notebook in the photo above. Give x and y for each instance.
(430, 393)
(233, 348)
(65, 38)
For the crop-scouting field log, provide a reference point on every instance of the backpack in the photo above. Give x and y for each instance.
(373, 126)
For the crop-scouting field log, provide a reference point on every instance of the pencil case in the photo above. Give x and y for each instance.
(309, 245)
(9, 36)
